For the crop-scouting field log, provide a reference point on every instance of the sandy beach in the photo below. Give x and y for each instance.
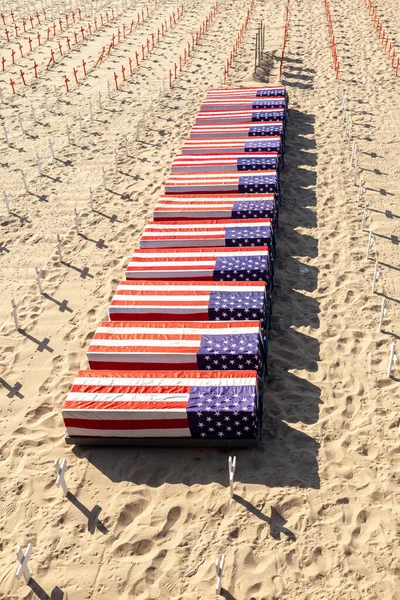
(316, 510)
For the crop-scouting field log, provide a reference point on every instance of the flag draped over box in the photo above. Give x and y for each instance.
(213, 405)
(240, 130)
(225, 117)
(215, 206)
(210, 232)
(232, 145)
(273, 107)
(174, 301)
(181, 345)
(257, 182)
(208, 163)
(247, 92)
(206, 264)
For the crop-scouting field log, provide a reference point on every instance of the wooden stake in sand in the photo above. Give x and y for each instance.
(219, 565)
(231, 472)
(6, 198)
(392, 358)
(39, 278)
(14, 312)
(23, 558)
(376, 276)
(59, 247)
(60, 470)
(77, 216)
(370, 243)
(383, 314)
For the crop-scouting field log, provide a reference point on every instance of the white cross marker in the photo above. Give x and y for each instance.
(1, 94)
(23, 558)
(59, 247)
(39, 278)
(68, 129)
(231, 471)
(365, 215)
(376, 276)
(51, 146)
(6, 197)
(21, 124)
(6, 135)
(90, 110)
(383, 314)
(14, 311)
(100, 107)
(360, 191)
(219, 565)
(370, 243)
(355, 170)
(108, 89)
(23, 177)
(392, 358)
(103, 175)
(39, 164)
(77, 216)
(80, 121)
(60, 470)
(137, 129)
(353, 154)
(33, 114)
(56, 91)
(91, 198)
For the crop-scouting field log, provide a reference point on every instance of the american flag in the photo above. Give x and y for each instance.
(205, 264)
(209, 345)
(238, 130)
(224, 117)
(247, 92)
(215, 405)
(209, 163)
(257, 182)
(215, 206)
(197, 301)
(217, 232)
(233, 145)
(273, 107)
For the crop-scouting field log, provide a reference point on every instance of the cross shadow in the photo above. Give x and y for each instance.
(55, 179)
(41, 345)
(22, 219)
(62, 306)
(41, 197)
(275, 521)
(12, 390)
(100, 243)
(112, 219)
(4, 249)
(227, 595)
(91, 515)
(56, 594)
(84, 272)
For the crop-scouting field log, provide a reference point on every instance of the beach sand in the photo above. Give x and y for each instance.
(315, 515)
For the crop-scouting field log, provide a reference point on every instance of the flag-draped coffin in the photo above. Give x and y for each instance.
(215, 405)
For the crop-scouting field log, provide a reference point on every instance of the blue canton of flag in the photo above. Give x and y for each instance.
(278, 103)
(256, 163)
(266, 129)
(243, 268)
(241, 351)
(223, 412)
(271, 92)
(262, 184)
(232, 306)
(257, 209)
(262, 146)
(252, 236)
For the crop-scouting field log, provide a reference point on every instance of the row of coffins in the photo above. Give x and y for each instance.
(182, 357)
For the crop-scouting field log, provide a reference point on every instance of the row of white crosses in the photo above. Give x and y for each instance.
(60, 468)
(371, 239)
